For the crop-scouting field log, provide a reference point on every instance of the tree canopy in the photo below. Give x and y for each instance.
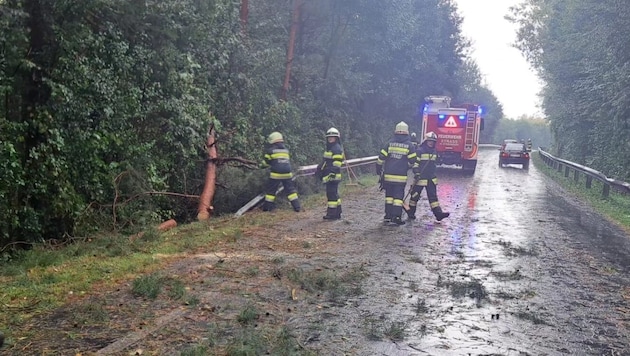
(104, 101)
(581, 51)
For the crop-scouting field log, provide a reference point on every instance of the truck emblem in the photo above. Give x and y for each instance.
(451, 122)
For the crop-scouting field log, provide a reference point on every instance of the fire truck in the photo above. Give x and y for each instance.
(457, 129)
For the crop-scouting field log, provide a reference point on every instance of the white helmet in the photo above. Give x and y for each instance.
(275, 137)
(431, 136)
(402, 128)
(333, 132)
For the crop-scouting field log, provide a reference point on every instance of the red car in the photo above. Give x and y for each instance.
(514, 153)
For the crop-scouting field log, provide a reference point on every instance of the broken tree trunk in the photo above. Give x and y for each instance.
(205, 200)
(291, 47)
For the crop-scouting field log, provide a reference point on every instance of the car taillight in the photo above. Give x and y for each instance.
(526, 155)
(504, 154)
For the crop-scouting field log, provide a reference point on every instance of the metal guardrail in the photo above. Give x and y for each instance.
(307, 171)
(561, 164)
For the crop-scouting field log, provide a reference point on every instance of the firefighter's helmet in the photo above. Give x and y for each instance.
(431, 136)
(402, 128)
(333, 132)
(275, 137)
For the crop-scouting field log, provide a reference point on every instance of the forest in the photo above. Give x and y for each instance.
(581, 51)
(107, 104)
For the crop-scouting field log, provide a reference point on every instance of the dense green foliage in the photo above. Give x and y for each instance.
(581, 51)
(105, 101)
(523, 129)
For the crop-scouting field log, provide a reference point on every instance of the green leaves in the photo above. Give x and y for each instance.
(581, 52)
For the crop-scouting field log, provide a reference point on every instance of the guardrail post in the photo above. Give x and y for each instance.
(559, 167)
(566, 172)
(589, 182)
(576, 175)
(606, 190)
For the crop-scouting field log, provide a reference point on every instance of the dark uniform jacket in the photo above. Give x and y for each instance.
(333, 160)
(425, 166)
(277, 157)
(396, 159)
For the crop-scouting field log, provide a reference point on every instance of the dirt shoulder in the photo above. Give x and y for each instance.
(264, 287)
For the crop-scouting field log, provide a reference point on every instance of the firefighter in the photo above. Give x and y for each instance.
(393, 162)
(424, 177)
(330, 172)
(278, 159)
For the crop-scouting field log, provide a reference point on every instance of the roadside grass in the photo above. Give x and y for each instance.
(46, 277)
(333, 285)
(616, 207)
(381, 328)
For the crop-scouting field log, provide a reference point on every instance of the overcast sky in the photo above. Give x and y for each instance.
(505, 70)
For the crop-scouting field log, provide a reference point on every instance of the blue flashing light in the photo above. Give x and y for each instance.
(441, 116)
(462, 117)
(480, 110)
(426, 108)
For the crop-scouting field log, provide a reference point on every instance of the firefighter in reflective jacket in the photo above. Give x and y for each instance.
(330, 172)
(424, 177)
(277, 157)
(393, 162)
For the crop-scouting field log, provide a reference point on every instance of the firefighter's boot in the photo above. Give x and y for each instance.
(388, 214)
(397, 220)
(439, 214)
(296, 205)
(332, 214)
(268, 206)
(411, 212)
(339, 211)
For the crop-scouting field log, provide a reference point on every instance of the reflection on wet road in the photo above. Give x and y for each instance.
(517, 269)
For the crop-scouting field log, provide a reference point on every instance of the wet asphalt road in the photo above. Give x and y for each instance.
(518, 269)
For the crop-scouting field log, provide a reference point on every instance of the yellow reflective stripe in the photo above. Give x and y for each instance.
(270, 198)
(337, 163)
(384, 153)
(389, 200)
(379, 161)
(398, 202)
(292, 196)
(277, 155)
(427, 157)
(399, 150)
(395, 178)
(412, 156)
(275, 175)
(425, 182)
(267, 156)
(434, 204)
(328, 154)
(338, 157)
(327, 179)
(333, 204)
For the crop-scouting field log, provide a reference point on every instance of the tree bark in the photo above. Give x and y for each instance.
(205, 200)
(294, 24)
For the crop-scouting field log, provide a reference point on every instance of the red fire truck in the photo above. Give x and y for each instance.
(457, 129)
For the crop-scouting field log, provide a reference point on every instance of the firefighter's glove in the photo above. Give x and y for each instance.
(417, 177)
